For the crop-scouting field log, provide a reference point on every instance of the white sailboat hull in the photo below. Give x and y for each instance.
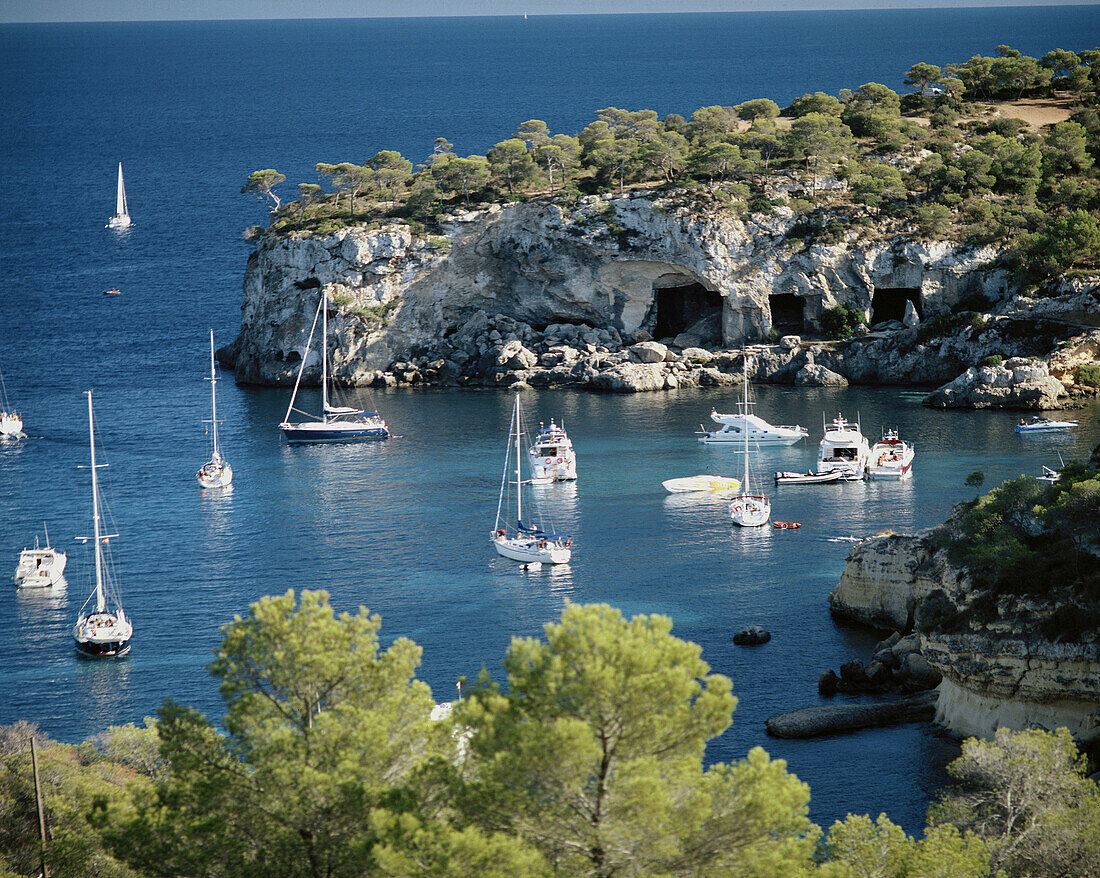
(103, 635)
(10, 424)
(750, 511)
(215, 475)
(118, 222)
(527, 550)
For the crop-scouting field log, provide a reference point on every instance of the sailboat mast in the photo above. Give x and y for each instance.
(324, 358)
(100, 603)
(213, 397)
(519, 480)
(745, 409)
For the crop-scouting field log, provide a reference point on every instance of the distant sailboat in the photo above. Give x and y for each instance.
(216, 472)
(11, 424)
(749, 509)
(101, 630)
(121, 219)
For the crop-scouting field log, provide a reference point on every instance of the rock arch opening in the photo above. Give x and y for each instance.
(788, 314)
(691, 309)
(888, 303)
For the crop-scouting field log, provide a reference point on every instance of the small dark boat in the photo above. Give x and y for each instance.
(113, 291)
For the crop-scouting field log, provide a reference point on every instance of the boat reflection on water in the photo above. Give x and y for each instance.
(106, 692)
(35, 600)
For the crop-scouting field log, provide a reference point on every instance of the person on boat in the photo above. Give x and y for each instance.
(1022, 422)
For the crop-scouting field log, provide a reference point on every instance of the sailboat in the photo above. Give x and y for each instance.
(121, 219)
(748, 509)
(522, 542)
(216, 472)
(102, 629)
(11, 424)
(337, 423)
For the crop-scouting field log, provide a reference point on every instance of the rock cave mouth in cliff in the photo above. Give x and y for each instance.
(788, 313)
(678, 308)
(888, 303)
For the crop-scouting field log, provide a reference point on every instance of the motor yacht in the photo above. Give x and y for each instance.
(891, 458)
(844, 448)
(760, 432)
(552, 455)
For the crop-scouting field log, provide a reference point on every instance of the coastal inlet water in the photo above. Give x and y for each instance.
(402, 526)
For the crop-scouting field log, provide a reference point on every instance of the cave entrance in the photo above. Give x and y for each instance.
(682, 308)
(787, 314)
(889, 303)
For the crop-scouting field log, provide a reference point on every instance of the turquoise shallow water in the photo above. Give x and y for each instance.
(402, 526)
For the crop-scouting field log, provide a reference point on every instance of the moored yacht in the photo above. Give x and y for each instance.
(748, 509)
(102, 629)
(40, 567)
(1039, 424)
(552, 455)
(11, 424)
(843, 448)
(891, 458)
(759, 431)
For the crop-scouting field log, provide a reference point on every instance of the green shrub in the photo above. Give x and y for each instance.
(992, 360)
(842, 321)
(773, 335)
(1088, 375)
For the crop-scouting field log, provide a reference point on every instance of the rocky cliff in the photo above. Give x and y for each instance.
(549, 293)
(999, 666)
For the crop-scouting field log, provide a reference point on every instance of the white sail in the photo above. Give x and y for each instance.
(121, 219)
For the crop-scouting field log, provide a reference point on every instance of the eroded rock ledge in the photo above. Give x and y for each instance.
(998, 669)
(544, 294)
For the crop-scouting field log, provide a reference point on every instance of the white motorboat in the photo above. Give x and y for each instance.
(810, 478)
(337, 423)
(694, 484)
(102, 629)
(1049, 475)
(748, 509)
(11, 424)
(121, 219)
(759, 431)
(216, 472)
(1039, 424)
(843, 448)
(552, 455)
(891, 458)
(520, 541)
(40, 567)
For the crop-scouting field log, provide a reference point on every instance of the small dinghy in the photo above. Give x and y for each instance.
(113, 291)
(695, 484)
(810, 478)
(787, 525)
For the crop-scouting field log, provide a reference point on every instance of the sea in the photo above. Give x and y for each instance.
(401, 527)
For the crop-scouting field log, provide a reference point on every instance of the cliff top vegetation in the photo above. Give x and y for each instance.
(1029, 543)
(999, 149)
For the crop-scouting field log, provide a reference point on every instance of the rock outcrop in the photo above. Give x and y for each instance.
(832, 719)
(552, 294)
(1018, 384)
(998, 666)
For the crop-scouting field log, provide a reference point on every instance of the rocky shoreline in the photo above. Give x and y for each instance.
(646, 292)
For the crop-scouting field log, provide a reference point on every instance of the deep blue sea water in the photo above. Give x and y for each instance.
(191, 109)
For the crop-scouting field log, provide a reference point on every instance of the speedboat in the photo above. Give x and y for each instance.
(810, 478)
(843, 448)
(891, 458)
(693, 484)
(1039, 424)
(552, 455)
(40, 567)
(760, 432)
(1049, 475)
(113, 291)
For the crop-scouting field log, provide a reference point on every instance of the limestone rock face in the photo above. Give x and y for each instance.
(593, 274)
(1018, 384)
(630, 378)
(812, 375)
(886, 578)
(998, 673)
